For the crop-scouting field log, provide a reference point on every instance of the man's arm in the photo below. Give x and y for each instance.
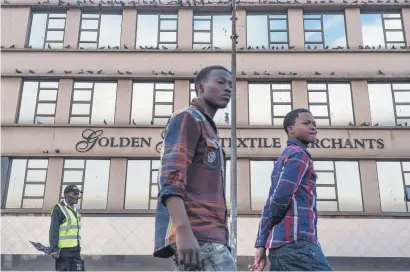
(54, 229)
(180, 142)
(279, 199)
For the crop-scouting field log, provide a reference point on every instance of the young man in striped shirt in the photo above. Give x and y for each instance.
(289, 217)
(191, 216)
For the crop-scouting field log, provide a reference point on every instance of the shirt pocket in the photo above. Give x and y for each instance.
(212, 156)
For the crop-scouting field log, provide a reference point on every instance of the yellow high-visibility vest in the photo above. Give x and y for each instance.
(69, 233)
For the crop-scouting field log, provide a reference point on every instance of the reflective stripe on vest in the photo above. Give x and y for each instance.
(69, 233)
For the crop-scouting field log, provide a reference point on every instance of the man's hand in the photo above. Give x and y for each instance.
(260, 260)
(188, 249)
(55, 255)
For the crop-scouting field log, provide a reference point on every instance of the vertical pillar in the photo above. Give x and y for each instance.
(244, 185)
(361, 102)
(72, 28)
(181, 94)
(242, 102)
(129, 28)
(241, 28)
(14, 23)
(117, 183)
(185, 28)
(53, 182)
(123, 102)
(370, 186)
(296, 32)
(353, 27)
(10, 93)
(300, 94)
(406, 24)
(65, 90)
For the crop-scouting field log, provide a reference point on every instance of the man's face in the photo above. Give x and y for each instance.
(72, 197)
(304, 128)
(217, 88)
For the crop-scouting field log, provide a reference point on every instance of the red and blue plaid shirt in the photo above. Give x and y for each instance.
(290, 212)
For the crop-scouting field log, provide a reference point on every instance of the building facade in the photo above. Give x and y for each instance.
(87, 88)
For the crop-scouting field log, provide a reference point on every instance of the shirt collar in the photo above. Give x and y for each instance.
(294, 141)
(199, 106)
(66, 204)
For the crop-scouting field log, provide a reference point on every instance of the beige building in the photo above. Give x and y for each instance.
(86, 90)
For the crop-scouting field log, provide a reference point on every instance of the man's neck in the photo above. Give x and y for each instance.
(208, 109)
(68, 203)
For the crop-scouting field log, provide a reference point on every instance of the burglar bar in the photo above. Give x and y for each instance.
(234, 208)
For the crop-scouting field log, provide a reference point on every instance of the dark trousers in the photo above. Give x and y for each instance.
(69, 261)
(298, 256)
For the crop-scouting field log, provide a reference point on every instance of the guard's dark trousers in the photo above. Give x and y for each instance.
(69, 261)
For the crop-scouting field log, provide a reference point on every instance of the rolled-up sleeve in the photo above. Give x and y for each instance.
(179, 145)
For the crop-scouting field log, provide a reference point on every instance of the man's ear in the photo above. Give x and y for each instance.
(290, 129)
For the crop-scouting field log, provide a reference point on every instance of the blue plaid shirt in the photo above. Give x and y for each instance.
(290, 212)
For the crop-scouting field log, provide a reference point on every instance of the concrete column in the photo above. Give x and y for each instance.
(123, 103)
(370, 186)
(116, 186)
(300, 94)
(185, 28)
(10, 93)
(72, 28)
(65, 90)
(53, 182)
(129, 28)
(241, 27)
(244, 185)
(406, 24)
(353, 27)
(361, 102)
(15, 26)
(181, 94)
(296, 32)
(242, 103)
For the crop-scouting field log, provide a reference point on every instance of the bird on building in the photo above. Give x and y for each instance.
(18, 71)
(50, 72)
(31, 71)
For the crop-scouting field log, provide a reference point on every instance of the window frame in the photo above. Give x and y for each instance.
(271, 45)
(211, 20)
(48, 12)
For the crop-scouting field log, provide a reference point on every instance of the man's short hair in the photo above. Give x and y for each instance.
(291, 116)
(203, 74)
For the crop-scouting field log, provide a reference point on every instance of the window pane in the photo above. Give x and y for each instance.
(80, 109)
(16, 183)
(322, 122)
(163, 96)
(221, 31)
(325, 178)
(163, 110)
(407, 178)
(32, 203)
(281, 110)
(319, 110)
(48, 84)
(401, 86)
(381, 104)
(96, 184)
(56, 23)
(38, 163)
(142, 103)
(110, 30)
(394, 36)
(391, 186)
(37, 31)
(74, 164)
(313, 24)
(202, 37)
(89, 24)
(48, 95)
(277, 24)
(34, 190)
(260, 37)
(278, 36)
(323, 165)
(82, 95)
(45, 119)
(334, 27)
(406, 166)
(55, 35)
(260, 111)
(36, 175)
(88, 36)
(164, 86)
(83, 85)
(138, 182)
(28, 102)
(340, 103)
(316, 87)
(372, 29)
(313, 37)
(73, 176)
(326, 193)
(168, 25)
(402, 97)
(327, 206)
(279, 86)
(104, 99)
(403, 110)
(168, 37)
(90, 15)
(46, 108)
(79, 120)
(281, 97)
(392, 24)
(349, 189)
(260, 182)
(317, 97)
(222, 115)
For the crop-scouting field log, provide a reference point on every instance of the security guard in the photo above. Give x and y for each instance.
(65, 232)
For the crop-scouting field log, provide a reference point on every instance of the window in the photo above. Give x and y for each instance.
(382, 30)
(324, 30)
(93, 103)
(26, 183)
(390, 103)
(38, 102)
(47, 30)
(394, 185)
(269, 103)
(152, 103)
(100, 30)
(338, 185)
(158, 31)
(212, 31)
(221, 116)
(91, 177)
(331, 104)
(142, 187)
(272, 30)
